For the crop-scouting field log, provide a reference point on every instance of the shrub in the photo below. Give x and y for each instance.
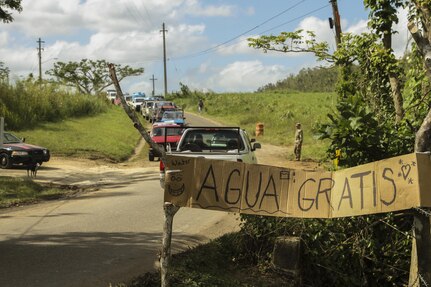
(28, 104)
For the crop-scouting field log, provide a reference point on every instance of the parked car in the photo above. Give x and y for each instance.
(14, 151)
(111, 95)
(157, 113)
(164, 134)
(176, 116)
(146, 109)
(136, 103)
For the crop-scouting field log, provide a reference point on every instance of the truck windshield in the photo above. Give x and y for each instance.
(214, 139)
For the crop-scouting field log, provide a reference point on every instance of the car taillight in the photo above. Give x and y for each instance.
(162, 166)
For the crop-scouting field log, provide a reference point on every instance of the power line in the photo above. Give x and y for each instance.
(137, 15)
(223, 45)
(295, 19)
(244, 33)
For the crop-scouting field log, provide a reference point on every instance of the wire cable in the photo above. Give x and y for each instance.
(243, 33)
(223, 45)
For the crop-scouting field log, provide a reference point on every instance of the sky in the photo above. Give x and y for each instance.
(206, 41)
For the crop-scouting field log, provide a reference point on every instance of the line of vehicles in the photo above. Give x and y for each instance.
(170, 131)
(167, 119)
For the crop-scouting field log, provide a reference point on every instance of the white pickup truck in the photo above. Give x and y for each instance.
(222, 143)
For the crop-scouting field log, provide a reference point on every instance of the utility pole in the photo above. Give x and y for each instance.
(337, 23)
(164, 58)
(153, 79)
(39, 54)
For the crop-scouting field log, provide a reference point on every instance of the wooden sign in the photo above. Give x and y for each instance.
(388, 185)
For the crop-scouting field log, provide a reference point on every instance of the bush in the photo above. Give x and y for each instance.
(357, 251)
(28, 104)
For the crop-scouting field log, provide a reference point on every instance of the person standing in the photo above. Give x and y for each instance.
(200, 105)
(299, 137)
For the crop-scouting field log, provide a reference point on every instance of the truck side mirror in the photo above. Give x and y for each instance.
(255, 146)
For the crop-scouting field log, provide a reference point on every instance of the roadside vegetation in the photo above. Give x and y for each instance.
(277, 110)
(28, 104)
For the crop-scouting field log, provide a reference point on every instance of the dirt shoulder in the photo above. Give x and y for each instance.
(278, 156)
(85, 173)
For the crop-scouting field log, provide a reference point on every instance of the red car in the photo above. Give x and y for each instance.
(164, 134)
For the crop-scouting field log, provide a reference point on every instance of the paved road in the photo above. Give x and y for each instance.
(106, 236)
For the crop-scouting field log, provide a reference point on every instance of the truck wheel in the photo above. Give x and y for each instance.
(5, 161)
(151, 157)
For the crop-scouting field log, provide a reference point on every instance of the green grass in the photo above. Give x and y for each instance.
(109, 135)
(277, 111)
(18, 191)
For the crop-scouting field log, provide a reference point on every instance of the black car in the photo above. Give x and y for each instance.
(14, 151)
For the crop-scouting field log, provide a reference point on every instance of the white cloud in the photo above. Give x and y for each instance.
(4, 38)
(245, 76)
(239, 46)
(193, 7)
(320, 28)
(47, 17)
(357, 28)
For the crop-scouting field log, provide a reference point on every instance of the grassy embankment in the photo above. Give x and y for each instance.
(277, 111)
(108, 136)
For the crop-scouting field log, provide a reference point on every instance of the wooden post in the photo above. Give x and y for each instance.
(165, 257)
(420, 265)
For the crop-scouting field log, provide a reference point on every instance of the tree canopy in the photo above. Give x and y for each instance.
(5, 6)
(89, 76)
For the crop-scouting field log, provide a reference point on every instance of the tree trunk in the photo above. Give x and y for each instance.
(396, 97)
(421, 250)
(394, 81)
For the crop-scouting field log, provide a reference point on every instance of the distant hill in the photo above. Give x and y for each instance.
(319, 79)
